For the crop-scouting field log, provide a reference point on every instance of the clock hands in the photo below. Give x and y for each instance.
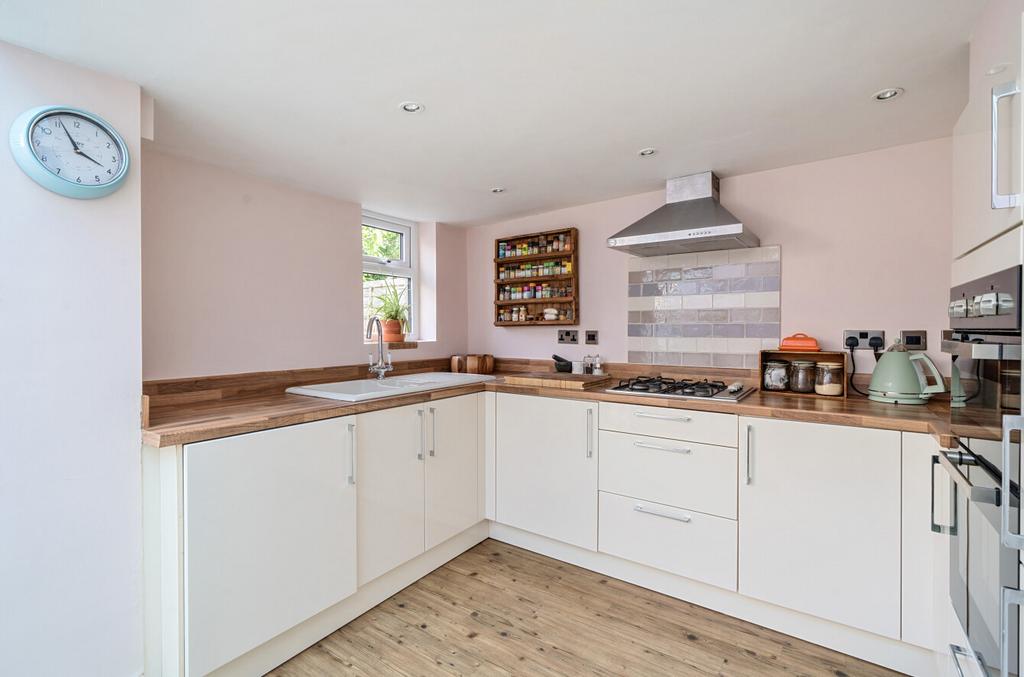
(70, 138)
(74, 145)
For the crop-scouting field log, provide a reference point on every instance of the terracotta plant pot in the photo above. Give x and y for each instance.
(392, 331)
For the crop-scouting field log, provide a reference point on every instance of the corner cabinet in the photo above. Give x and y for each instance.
(819, 521)
(546, 467)
(269, 535)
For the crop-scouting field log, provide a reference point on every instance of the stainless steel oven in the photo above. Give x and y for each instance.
(984, 342)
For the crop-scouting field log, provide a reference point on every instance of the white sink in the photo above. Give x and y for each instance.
(371, 389)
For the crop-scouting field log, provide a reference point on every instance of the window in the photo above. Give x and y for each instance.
(389, 265)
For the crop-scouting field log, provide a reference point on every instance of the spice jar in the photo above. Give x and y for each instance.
(802, 376)
(776, 375)
(829, 378)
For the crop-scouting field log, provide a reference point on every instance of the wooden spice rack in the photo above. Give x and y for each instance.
(551, 267)
(810, 356)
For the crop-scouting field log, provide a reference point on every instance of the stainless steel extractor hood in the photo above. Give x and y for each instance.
(692, 220)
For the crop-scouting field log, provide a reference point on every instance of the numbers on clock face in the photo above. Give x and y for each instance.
(76, 149)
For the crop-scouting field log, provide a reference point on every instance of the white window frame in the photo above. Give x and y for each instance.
(407, 266)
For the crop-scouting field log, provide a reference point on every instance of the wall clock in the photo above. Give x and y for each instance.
(69, 151)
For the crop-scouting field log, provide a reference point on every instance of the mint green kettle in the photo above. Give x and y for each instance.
(896, 381)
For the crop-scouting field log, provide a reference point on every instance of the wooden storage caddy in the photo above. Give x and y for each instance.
(815, 356)
(535, 307)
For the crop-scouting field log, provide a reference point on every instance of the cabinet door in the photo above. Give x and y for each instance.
(925, 561)
(819, 520)
(270, 535)
(547, 467)
(995, 43)
(452, 473)
(391, 450)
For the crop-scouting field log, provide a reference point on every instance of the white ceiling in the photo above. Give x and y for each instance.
(550, 99)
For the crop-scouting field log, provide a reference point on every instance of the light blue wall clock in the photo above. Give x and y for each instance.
(70, 151)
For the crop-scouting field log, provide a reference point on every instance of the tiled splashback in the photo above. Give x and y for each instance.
(714, 309)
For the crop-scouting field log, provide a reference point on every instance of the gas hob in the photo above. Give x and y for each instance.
(683, 389)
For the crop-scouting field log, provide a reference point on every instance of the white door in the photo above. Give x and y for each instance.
(995, 57)
(819, 520)
(452, 473)
(927, 491)
(547, 467)
(270, 535)
(392, 446)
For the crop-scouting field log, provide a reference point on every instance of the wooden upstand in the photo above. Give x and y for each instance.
(535, 272)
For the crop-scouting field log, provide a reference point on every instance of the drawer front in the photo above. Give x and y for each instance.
(682, 474)
(683, 542)
(679, 424)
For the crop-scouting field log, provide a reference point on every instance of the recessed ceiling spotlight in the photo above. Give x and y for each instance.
(887, 94)
(647, 152)
(997, 69)
(499, 189)
(411, 107)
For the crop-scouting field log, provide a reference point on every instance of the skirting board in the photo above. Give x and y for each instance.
(883, 651)
(269, 655)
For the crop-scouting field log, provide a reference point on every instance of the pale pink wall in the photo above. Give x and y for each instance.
(865, 244)
(244, 274)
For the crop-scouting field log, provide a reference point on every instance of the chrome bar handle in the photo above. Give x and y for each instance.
(661, 417)
(1010, 538)
(750, 477)
(1001, 200)
(1010, 597)
(352, 453)
(957, 651)
(590, 433)
(433, 430)
(423, 421)
(640, 507)
(674, 450)
(938, 528)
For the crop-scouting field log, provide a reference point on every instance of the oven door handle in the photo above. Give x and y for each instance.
(1010, 538)
(973, 493)
(1010, 597)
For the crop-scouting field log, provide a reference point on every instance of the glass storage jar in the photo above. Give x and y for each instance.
(802, 376)
(776, 375)
(829, 378)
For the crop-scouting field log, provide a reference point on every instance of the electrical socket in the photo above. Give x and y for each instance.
(863, 336)
(568, 336)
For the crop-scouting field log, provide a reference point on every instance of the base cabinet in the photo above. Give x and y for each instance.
(819, 521)
(452, 468)
(269, 535)
(546, 480)
(391, 450)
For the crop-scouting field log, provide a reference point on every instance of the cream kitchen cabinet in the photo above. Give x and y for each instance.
(419, 480)
(995, 59)
(391, 451)
(546, 474)
(452, 468)
(269, 535)
(819, 521)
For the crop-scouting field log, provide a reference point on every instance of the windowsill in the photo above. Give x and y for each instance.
(404, 345)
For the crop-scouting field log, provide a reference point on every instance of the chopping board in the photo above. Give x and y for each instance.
(551, 379)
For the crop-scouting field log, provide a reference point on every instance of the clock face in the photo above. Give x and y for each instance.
(76, 149)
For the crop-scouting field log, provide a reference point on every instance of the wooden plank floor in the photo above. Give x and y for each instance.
(501, 610)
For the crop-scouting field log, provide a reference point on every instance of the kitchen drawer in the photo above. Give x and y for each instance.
(683, 474)
(679, 424)
(684, 542)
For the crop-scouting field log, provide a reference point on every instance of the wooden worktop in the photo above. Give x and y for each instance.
(184, 420)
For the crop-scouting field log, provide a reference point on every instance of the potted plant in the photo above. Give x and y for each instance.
(392, 310)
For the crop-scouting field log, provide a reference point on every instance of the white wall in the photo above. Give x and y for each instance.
(70, 387)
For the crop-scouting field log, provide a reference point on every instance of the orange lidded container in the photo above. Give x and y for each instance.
(800, 343)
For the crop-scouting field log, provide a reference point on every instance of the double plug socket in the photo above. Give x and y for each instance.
(864, 338)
